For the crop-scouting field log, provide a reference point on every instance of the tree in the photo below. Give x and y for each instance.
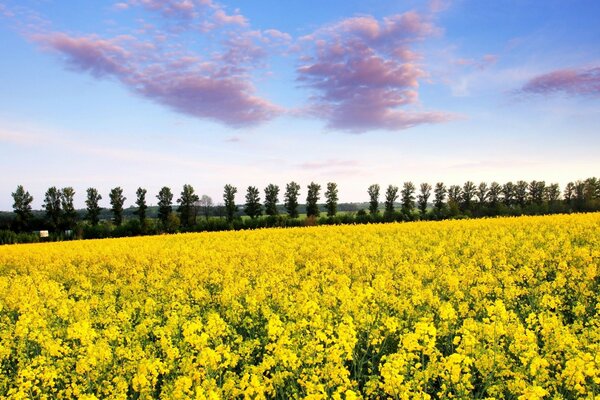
(439, 196)
(579, 195)
(482, 193)
(52, 207)
(116, 201)
(206, 204)
(292, 191)
(187, 206)
(454, 199)
(468, 192)
(140, 202)
(373, 192)
(508, 194)
(537, 190)
(67, 197)
(494, 193)
(391, 195)
(229, 200)
(521, 189)
(271, 199)
(312, 198)
(425, 192)
(408, 197)
(253, 207)
(93, 208)
(22, 207)
(331, 199)
(165, 208)
(553, 193)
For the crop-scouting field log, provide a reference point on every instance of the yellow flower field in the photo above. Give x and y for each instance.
(501, 308)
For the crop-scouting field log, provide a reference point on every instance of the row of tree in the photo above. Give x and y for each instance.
(426, 202)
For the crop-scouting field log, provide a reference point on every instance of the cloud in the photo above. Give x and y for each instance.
(213, 84)
(328, 164)
(573, 82)
(484, 62)
(365, 75)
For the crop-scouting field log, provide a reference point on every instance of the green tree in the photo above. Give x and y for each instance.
(494, 193)
(229, 201)
(140, 202)
(292, 191)
(553, 193)
(312, 199)
(423, 198)
(206, 204)
(271, 199)
(508, 194)
(482, 193)
(92, 206)
(408, 197)
(439, 198)
(391, 195)
(52, 207)
(116, 201)
(468, 193)
(537, 191)
(454, 199)
(22, 207)
(67, 197)
(253, 207)
(521, 190)
(165, 208)
(331, 199)
(373, 192)
(187, 206)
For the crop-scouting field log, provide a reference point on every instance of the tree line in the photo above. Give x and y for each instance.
(405, 203)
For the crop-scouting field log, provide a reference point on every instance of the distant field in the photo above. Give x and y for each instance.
(496, 308)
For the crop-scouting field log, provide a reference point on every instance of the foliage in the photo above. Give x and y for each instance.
(312, 199)
(22, 206)
(140, 202)
(498, 308)
(187, 206)
(408, 197)
(69, 214)
(331, 199)
(92, 206)
(292, 191)
(373, 192)
(391, 195)
(253, 208)
(52, 205)
(165, 208)
(229, 200)
(423, 198)
(271, 199)
(116, 201)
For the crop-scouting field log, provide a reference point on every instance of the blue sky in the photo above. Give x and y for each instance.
(152, 93)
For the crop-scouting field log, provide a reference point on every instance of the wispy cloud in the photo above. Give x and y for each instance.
(573, 82)
(365, 74)
(212, 85)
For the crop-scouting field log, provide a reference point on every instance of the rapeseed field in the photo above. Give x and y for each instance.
(492, 309)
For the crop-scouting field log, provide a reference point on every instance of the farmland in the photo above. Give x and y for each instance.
(489, 308)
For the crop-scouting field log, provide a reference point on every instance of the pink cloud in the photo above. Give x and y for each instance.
(568, 81)
(157, 63)
(236, 19)
(484, 62)
(215, 89)
(365, 75)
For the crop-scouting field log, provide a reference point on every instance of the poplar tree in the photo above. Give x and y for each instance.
(331, 199)
(292, 191)
(116, 201)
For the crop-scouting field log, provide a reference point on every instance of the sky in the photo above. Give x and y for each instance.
(149, 93)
